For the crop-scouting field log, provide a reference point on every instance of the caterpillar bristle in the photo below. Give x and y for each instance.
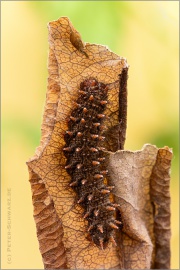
(113, 240)
(110, 208)
(96, 212)
(84, 181)
(80, 200)
(73, 118)
(100, 228)
(112, 225)
(101, 243)
(95, 163)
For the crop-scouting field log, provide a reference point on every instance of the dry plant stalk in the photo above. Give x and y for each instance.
(141, 178)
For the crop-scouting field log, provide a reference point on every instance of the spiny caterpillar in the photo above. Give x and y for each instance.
(86, 162)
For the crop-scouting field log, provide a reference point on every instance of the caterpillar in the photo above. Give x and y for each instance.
(86, 162)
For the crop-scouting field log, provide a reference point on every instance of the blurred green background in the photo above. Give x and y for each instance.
(146, 33)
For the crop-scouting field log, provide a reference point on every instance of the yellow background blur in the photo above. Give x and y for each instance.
(146, 33)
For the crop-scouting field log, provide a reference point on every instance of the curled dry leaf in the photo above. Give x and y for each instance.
(142, 181)
(61, 230)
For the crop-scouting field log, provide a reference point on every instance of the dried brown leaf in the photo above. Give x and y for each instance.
(142, 181)
(61, 230)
